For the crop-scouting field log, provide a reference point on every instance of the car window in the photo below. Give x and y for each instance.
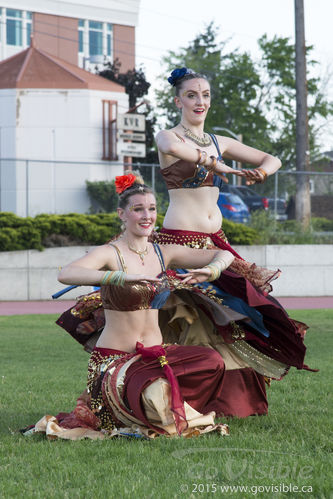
(236, 191)
(233, 198)
(242, 192)
(249, 192)
(246, 193)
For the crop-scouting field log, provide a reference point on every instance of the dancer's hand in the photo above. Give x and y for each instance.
(221, 169)
(195, 276)
(253, 177)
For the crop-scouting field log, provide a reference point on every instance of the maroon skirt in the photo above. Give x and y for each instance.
(194, 373)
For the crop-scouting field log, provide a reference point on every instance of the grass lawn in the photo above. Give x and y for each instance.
(43, 370)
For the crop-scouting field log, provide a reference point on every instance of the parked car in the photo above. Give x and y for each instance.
(233, 208)
(281, 208)
(253, 200)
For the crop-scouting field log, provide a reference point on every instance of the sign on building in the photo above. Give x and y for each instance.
(133, 122)
(129, 128)
(132, 149)
(136, 137)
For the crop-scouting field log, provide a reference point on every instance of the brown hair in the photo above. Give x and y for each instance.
(138, 187)
(189, 76)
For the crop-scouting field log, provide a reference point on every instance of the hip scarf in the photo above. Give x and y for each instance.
(258, 276)
(104, 361)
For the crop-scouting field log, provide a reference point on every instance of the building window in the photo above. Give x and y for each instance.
(81, 34)
(95, 38)
(110, 110)
(109, 39)
(28, 25)
(14, 27)
(18, 27)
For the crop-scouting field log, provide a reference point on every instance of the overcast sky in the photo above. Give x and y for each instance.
(169, 25)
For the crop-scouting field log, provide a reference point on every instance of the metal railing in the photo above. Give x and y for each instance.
(24, 181)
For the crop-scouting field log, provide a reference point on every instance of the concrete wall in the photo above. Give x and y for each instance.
(60, 124)
(32, 274)
(307, 270)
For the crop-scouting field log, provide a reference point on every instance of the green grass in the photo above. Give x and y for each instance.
(43, 370)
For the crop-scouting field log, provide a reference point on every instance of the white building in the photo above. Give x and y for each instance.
(57, 126)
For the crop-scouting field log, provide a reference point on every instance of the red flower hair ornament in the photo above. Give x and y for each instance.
(123, 182)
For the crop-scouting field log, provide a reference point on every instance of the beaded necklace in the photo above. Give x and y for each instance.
(204, 141)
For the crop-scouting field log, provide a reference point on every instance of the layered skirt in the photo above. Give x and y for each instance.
(253, 333)
(157, 390)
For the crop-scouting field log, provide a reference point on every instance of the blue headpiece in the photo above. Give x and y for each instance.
(177, 74)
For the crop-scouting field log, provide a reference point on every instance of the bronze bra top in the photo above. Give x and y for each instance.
(136, 295)
(186, 175)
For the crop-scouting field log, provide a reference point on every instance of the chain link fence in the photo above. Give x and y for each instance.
(29, 187)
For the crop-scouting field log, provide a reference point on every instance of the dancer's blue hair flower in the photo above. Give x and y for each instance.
(177, 74)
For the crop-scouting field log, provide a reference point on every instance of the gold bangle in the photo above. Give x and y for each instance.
(215, 272)
(216, 267)
(222, 262)
(105, 277)
(203, 158)
(109, 277)
(263, 173)
(117, 278)
(212, 164)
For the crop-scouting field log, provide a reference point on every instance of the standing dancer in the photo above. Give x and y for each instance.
(192, 168)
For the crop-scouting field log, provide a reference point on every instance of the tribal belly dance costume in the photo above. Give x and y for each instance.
(167, 389)
(260, 341)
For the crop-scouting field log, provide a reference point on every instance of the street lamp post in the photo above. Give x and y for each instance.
(235, 136)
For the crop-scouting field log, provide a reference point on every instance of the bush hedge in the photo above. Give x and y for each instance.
(239, 233)
(270, 231)
(45, 231)
(102, 195)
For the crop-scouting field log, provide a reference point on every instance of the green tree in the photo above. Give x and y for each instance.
(236, 87)
(103, 196)
(277, 70)
(250, 97)
(134, 80)
(136, 86)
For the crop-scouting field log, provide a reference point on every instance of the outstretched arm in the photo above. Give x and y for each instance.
(197, 261)
(170, 147)
(91, 269)
(266, 163)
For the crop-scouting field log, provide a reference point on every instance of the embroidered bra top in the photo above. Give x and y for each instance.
(136, 295)
(186, 175)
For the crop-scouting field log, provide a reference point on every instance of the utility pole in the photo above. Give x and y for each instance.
(303, 200)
